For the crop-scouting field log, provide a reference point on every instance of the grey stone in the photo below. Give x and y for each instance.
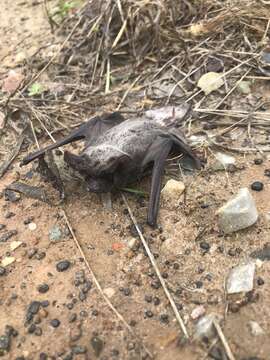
(240, 279)
(238, 213)
(255, 328)
(55, 234)
(223, 161)
(205, 326)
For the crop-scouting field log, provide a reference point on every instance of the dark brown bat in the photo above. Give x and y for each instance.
(118, 151)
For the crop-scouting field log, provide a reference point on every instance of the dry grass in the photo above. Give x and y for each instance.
(130, 55)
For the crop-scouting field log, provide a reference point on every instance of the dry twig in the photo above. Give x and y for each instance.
(153, 262)
(106, 299)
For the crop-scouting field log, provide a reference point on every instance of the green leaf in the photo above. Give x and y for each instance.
(35, 89)
(134, 191)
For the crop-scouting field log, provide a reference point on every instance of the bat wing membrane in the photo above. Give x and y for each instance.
(158, 153)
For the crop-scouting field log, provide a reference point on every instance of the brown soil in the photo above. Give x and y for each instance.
(126, 275)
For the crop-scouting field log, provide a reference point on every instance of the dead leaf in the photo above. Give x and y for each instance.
(12, 81)
(210, 82)
(7, 261)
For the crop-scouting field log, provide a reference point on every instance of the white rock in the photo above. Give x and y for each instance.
(223, 161)
(240, 279)
(259, 263)
(7, 261)
(172, 190)
(205, 326)
(198, 312)
(32, 226)
(255, 328)
(15, 244)
(109, 292)
(238, 213)
(132, 243)
(210, 82)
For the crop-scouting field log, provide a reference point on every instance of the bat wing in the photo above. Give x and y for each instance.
(157, 153)
(181, 144)
(88, 131)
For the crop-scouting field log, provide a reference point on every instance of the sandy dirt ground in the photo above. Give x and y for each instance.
(61, 314)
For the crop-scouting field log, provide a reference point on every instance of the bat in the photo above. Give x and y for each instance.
(118, 152)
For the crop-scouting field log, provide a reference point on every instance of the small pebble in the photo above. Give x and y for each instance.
(28, 220)
(204, 246)
(83, 314)
(32, 252)
(2, 271)
(34, 307)
(267, 172)
(45, 303)
(43, 288)
(43, 356)
(82, 296)
(148, 313)
(7, 235)
(9, 214)
(62, 265)
(199, 284)
(155, 284)
(55, 234)
(260, 281)
(156, 301)
(12, 196)
(55, 323)
(126, 291)
(41, 255)
(97, 345)
(72, 317)
(38, 331)
(164, 318)
(4, 344)
(87, 287)
(257, 186)
(258, 161)
(32, 226)
(130, 346)
(2, 226)
(148, 298)
(31, 328)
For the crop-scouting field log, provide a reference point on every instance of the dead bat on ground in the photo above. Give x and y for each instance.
(118, 152)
